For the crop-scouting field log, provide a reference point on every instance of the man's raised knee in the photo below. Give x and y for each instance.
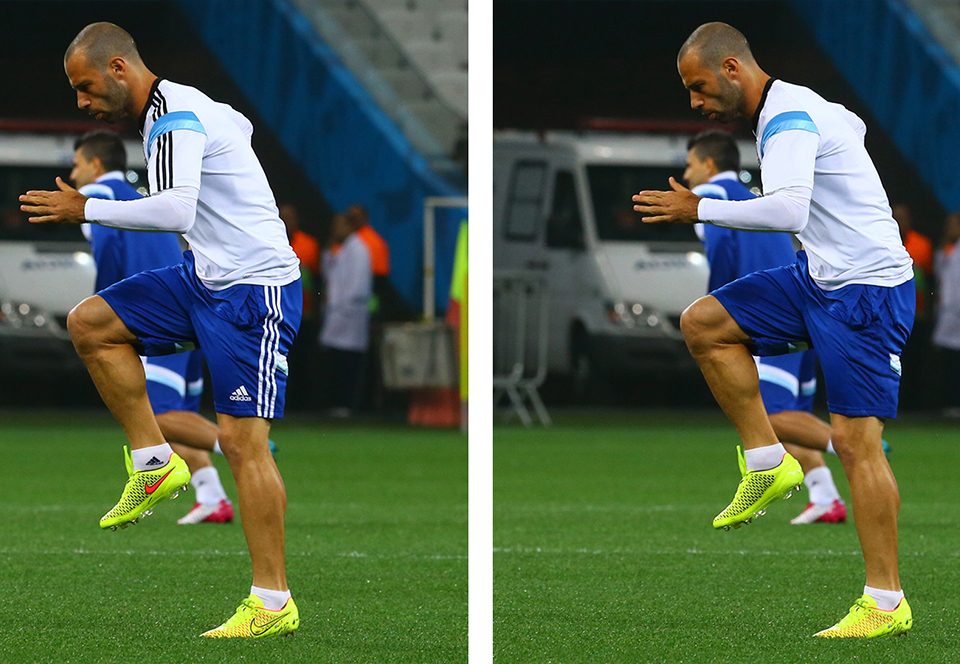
(93, 323)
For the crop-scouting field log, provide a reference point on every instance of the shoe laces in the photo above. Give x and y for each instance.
(860, 605)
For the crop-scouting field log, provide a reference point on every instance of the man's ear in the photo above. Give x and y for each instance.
(731, 67)
(117, 66)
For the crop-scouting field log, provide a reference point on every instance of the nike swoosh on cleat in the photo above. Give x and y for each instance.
(150, 488)
(260, 630)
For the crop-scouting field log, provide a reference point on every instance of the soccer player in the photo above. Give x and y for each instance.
(849, 295)
(787, 382)
(236, 294)
(174, 382)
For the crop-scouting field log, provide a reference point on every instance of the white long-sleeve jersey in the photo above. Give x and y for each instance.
(820, 183)
(207, 183)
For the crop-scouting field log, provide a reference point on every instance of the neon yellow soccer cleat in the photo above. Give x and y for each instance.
(758, 489)
(144, 489)
(252, 621)
(866, 621)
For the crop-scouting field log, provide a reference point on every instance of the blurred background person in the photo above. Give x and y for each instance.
(303, 353)
(345, 333)
(916, 353)
(946, 333)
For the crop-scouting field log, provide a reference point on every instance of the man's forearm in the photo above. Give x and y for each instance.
(170, 210)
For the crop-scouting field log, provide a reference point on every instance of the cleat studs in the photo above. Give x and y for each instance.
(113, 527)
(725, 528)
(760, 513)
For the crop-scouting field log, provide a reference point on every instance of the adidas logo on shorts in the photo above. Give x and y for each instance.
(241, 394)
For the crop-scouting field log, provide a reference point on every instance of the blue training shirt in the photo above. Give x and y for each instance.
(735, 253)
(117, 253)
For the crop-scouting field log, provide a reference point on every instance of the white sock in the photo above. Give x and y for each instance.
(206, 482)
(887, 600)
(273, 600)
(830, 449)
(764, 458)
(151, 458)
(820, 484)
(216, 447)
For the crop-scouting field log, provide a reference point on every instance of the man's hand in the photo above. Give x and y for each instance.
(678, 206)
(54, 207)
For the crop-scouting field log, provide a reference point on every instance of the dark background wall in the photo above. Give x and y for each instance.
(558, 62)
(35, 33)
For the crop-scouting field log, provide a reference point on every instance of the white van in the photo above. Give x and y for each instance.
(45, 269)
(615, 286)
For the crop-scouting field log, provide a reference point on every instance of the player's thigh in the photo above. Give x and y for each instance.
(859, 336)
(245, 339)
(155, 307)
(768, 307)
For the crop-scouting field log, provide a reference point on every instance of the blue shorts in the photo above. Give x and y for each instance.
(788, 382)
(245, 331)
(174, 382)
(859, 331)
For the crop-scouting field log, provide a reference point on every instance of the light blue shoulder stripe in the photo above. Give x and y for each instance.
(791, 120)
(710, 190)
(173, 121)
(96, 190)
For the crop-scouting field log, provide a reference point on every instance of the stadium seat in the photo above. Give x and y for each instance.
(432, 56)
(409, 25)
(406, 83)
(382, 53)
(452, 88)
(452, 26)
(438, 120)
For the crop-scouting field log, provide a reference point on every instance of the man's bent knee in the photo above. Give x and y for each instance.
(707, 322)
(93, 322)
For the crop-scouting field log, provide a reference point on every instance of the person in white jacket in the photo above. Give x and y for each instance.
(346, 319)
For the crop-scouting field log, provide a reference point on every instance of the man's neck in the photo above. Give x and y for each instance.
(753, 93)
(140, 91)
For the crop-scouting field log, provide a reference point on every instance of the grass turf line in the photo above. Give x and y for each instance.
(376, 543)
(604, 550)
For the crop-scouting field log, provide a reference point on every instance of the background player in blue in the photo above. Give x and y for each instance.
(174, 382)
(850, 295)
(787, 382)
(237, 294)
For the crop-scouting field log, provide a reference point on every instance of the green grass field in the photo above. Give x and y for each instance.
(604, 550)
(376, 544)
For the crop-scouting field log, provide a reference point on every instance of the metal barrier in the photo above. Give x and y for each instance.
(520, 343)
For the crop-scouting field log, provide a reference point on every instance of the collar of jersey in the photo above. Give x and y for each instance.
(756, 114)
(111, 175)
(724, 175)
(146, 106)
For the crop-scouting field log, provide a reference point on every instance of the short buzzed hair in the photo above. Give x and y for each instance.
(713, 42)
(717, 145)
(100, 42)
(104, 145)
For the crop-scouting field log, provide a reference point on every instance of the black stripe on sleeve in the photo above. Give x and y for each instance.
(170, 161)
